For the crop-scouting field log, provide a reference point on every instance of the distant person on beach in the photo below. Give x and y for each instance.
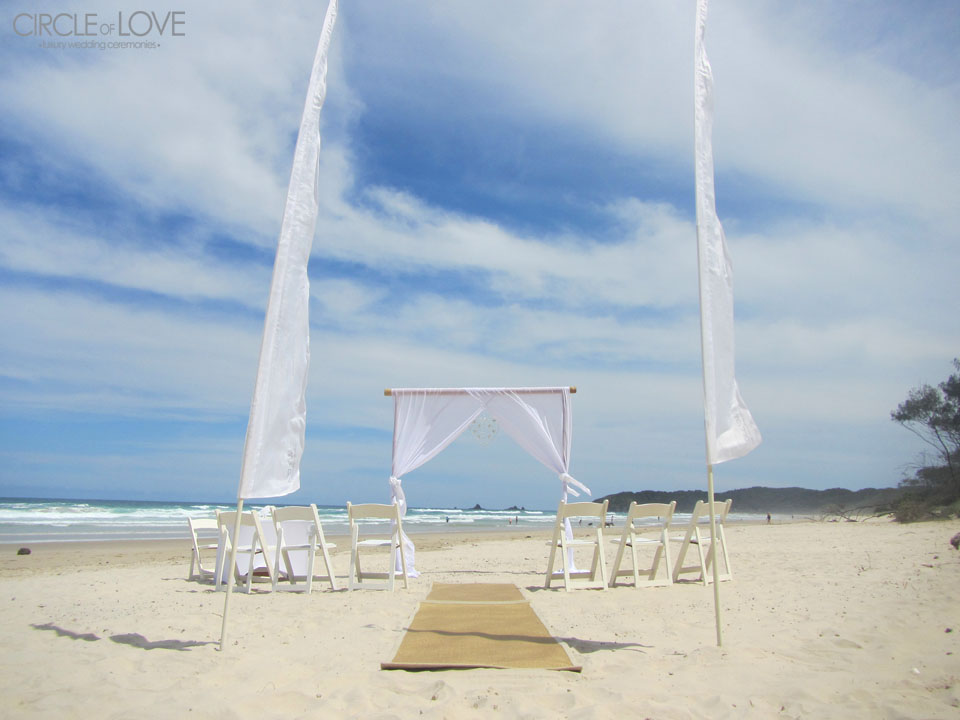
(768, 518)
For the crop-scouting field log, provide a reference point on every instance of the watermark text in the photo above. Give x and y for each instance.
(143, 28)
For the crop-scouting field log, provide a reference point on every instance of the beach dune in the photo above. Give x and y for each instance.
(825, 620)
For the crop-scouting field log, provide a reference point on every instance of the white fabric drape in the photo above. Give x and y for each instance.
(424, 423)
(538, 422)
(427, 420)
(277, 424)
(730, 429)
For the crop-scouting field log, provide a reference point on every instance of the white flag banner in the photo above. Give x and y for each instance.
(275, 431)
(731, 431)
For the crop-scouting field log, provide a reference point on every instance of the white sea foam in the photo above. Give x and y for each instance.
(67, 520)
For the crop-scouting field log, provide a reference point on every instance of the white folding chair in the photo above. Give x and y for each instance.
(596, 514)
(254, 551)
(698, 535)
(380, 527)
(299, 533)
(646, 525)
(204, 533)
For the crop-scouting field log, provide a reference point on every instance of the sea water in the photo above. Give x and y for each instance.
(38, 520)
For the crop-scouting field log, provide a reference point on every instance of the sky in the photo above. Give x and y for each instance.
(506, 199)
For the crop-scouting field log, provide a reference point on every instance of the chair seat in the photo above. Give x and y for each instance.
(304, 546)
(641, 541)
(575, 541)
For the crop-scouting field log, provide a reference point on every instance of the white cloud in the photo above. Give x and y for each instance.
(839, 312)
(838, 126)
(82, 354)
(50, 245)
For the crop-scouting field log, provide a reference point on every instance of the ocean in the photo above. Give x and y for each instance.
(38, 520)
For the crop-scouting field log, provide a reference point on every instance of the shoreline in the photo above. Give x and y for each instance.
(42, 521)
(87, 554)
(340, 529)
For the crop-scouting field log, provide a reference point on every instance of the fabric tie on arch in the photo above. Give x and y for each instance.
(568, 482)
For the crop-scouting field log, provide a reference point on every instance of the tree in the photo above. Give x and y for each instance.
(933, 415)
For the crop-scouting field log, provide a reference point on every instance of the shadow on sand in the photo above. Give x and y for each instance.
(133, 639)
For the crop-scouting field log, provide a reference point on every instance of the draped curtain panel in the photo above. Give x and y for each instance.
(538, 422)
(427, 420)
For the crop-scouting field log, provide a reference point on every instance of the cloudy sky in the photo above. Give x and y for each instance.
(506, 199)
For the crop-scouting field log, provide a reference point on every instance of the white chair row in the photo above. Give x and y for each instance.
(286, 548)
(647, 525)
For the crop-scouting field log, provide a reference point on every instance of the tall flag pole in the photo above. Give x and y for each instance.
(730, 430)
(277, 424)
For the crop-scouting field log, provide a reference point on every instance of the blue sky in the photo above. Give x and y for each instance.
(506, 199)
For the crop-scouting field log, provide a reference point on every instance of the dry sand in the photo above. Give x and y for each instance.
(821, 620)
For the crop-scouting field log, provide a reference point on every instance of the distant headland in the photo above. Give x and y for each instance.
(766, 500)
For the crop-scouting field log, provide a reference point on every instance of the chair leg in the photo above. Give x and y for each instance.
(723, 547)
(666, 556)
(603, 559)
(565, 559)
(392, 570)
(359, 568)
(329, 566)
(553, 555)
(276, 563)
(218, 569)
(636, 561)
(311, 556)
(618, 559)
(657, 556)
(250, 569)
(354, 550)
(681, 556)
(403, 560)
(595, 558)
(703, 559)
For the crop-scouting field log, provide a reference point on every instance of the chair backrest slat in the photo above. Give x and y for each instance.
(582, 509)
(663, 511)
(373, 510)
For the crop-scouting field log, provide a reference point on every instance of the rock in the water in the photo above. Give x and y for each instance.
(23, 551)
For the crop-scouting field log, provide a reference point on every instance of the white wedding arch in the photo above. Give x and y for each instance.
(427, 420)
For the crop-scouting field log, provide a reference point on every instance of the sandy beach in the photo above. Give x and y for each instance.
(825, 620)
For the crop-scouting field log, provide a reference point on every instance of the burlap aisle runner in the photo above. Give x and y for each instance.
(478, 626)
